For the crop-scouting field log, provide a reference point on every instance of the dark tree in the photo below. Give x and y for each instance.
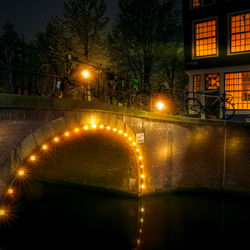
(142, 26)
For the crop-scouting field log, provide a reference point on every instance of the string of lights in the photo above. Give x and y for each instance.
(23, 173)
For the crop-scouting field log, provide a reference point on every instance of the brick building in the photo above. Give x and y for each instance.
(217, 49)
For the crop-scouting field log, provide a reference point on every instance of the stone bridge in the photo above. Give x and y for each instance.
(178, 152)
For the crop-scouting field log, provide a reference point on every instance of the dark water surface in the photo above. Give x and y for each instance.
(60, 217)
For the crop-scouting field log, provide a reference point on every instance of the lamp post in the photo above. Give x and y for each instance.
(86, 76)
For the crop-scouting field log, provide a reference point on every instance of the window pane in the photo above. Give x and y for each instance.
(196, 3)
(238, 86)
(197, 83)
(240, 32)
(205, 38)
(212, 81)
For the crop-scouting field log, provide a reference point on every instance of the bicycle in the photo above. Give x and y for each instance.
(48, 80)
(193, 106)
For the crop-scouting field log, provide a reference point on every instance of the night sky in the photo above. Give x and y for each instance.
(29, 16)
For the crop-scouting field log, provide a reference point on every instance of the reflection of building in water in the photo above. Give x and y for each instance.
(217, 49)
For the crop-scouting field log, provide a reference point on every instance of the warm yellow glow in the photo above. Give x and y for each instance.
(160, 105)
(134, 144)
(137, 150)
(142, 176)
(142, 166)
(44, 147)
(66, 134)
(101, 126)
(86, 127)
(130, 138)
(76, 130)
(56, 139)
(115, 129)
(140, 231)
(93, 126)
(32, 157)
(20, 172)
(120, 131)
(140, 157)
(125, 134)
(142, 209)
(138, 241)
(2, 212)
(10, 191)
(108, 128)
(142, 186)
(85, 74)
(141, 220)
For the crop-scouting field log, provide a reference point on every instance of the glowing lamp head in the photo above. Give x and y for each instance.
(56, 139)
(140, 157)
(142, 166)
(85, 74)
(142, 176)
(33, 158)
(125, 134)
(134, 144)
(142, 186)
(137, 150)
(44, 147)
(101, 126)
(86, 127)
(120, 132)
(76, 130)
(66, 134)
(114, 129)
(10, 191)
(93, 126)
(21, 172)
(2, 212)
(160, 105)
(108, 128)
(130, 138)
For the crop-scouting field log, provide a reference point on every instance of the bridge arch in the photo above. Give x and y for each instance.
(44, 142)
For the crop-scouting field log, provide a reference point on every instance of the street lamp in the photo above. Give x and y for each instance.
(86, 76)
(160, 106)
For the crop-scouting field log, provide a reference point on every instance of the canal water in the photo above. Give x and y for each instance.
(53, 216)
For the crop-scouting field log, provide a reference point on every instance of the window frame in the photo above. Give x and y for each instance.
(202, 4)
(229, 32)
(194, 22)
(234, 72)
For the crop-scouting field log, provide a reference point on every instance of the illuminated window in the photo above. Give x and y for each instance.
(197, 83)
(212, 81)
(238, 86)
(240, 33)
(196, 3)
(205, 39)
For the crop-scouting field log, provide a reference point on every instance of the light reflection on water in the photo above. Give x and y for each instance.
(59, 217)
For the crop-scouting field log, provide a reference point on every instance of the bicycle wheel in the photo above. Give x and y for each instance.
(230, 110)
(46, 79)
(192, 107)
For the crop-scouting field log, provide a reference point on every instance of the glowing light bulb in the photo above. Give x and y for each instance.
(134, 144)
(125, 134)
(137, 150)
(2, 212)
(66, 134)
(142, 186)
(142, 209)
(160, 105)
(56, 139)
(32, 157)
(141, 220)
(142, 176)
(10, 191)
(142, 166)
(86, 127)
(138, 241)
(101, 126)
(93, 126)
(44, 147)
(20, 172)
(120, 132)
(85, 74)
(140, 157)
(130, 138)
(140, 231)
(108, 128)
(114, 129)
(76, 130)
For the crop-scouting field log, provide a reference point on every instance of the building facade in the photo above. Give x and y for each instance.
(217, 49)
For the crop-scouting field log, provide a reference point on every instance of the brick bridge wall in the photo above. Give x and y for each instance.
(179, 152)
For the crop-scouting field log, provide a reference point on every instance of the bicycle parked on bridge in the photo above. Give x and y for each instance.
(216, 104)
